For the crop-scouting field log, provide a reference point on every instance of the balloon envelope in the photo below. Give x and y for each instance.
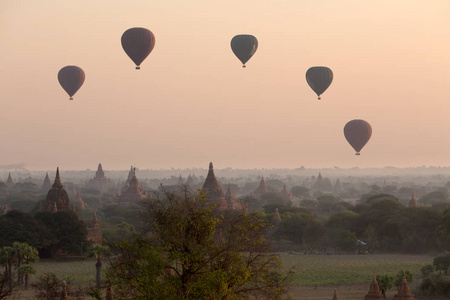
(319, 79)
(71, 78)
(358, 133)
(138, 43)
(244, 46)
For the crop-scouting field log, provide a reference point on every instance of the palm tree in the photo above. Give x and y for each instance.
(99, 252)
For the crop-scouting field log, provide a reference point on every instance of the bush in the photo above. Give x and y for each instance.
(427, 270)
(442, 263)
(435, 285)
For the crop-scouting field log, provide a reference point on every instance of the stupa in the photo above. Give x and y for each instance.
(57, 198)
(100, 182)
(213, 190)
(261, 189)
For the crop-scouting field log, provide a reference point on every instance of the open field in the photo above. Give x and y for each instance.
(316, 276)
(346, 269)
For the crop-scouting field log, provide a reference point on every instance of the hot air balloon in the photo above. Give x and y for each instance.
(319, 79)
(138, 43)
(358, 133)
(71, 79)
(244, 46)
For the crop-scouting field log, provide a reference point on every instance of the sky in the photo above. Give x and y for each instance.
(192, 102)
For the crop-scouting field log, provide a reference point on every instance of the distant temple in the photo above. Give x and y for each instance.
(57, 198)
(286, 193)
(413, 201)
(132, 193)
(276, 219)
(79, 200)
(9, 181)
(94, 233)
(261, 189)
(100, 182)
(213, 190)
(47, 184)
(338, 186)
(231, 202)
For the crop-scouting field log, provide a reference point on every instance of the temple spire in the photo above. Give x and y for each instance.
(57, 182)
(335, 297)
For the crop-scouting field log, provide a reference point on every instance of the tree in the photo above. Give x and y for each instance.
(300, 191)
(385, 282)
(193, 251)
(18, 226)
(24, 253)
(401, 274)
(67, 231)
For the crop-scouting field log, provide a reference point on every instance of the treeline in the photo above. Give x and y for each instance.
(48, 232)
(379, 223)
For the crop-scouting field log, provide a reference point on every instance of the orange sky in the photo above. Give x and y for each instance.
(192, 103)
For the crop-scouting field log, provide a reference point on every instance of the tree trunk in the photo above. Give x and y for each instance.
(98, 265)
(26, 281)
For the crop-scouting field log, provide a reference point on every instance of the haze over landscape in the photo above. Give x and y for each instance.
(192, 103)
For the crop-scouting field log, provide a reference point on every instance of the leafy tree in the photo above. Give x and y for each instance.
(385, 282)
(67, 231)
(21, 227)
(23, 253)
(427, 270)
(442, 263)
(193, 251)
(401, 274)
(48, 287)
(26, 270)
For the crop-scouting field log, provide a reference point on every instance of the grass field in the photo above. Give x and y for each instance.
(312, 270)
(315, 276)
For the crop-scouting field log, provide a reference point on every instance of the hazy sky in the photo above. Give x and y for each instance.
(192, 102)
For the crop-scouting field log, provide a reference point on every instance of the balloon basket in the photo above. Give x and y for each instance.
(318, 98)
(244, 66)
(357, 153)
(138, 68)
(70, 98)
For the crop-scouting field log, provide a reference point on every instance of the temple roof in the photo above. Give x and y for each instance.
(374, 290)
(213, 189)
(57, 182)
(335, 297)
(57, 197)
(413, 201)
(261, 189)
(47, 183)
(285, 193)
(9, 181)
(276, 219)
(100, 173)
(403, 291)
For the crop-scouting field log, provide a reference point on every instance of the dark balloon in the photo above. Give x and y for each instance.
(319, 79)
(137, 44)
(244, 46)
(357, 133)
(71, 79)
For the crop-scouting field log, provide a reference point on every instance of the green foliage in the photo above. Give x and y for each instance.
(21, 227)
(401, 274)
(442, 263)
(194, 251)
(427, 270)
(435, 285)
(67, 231)
(385, 282)
(300, 191)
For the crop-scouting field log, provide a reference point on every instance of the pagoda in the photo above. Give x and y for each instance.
(100, 182)
(338, 186)
(335, 297)
(9, 181)
(213, 190)
(46, 185)
(403, 291)
(94, 234)
(286, 194)
(413, 201)
(57, 198)
(231, 201)
(261, 189)
(374, 290)
(276, 219)
(79, 200)
(132, 193)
